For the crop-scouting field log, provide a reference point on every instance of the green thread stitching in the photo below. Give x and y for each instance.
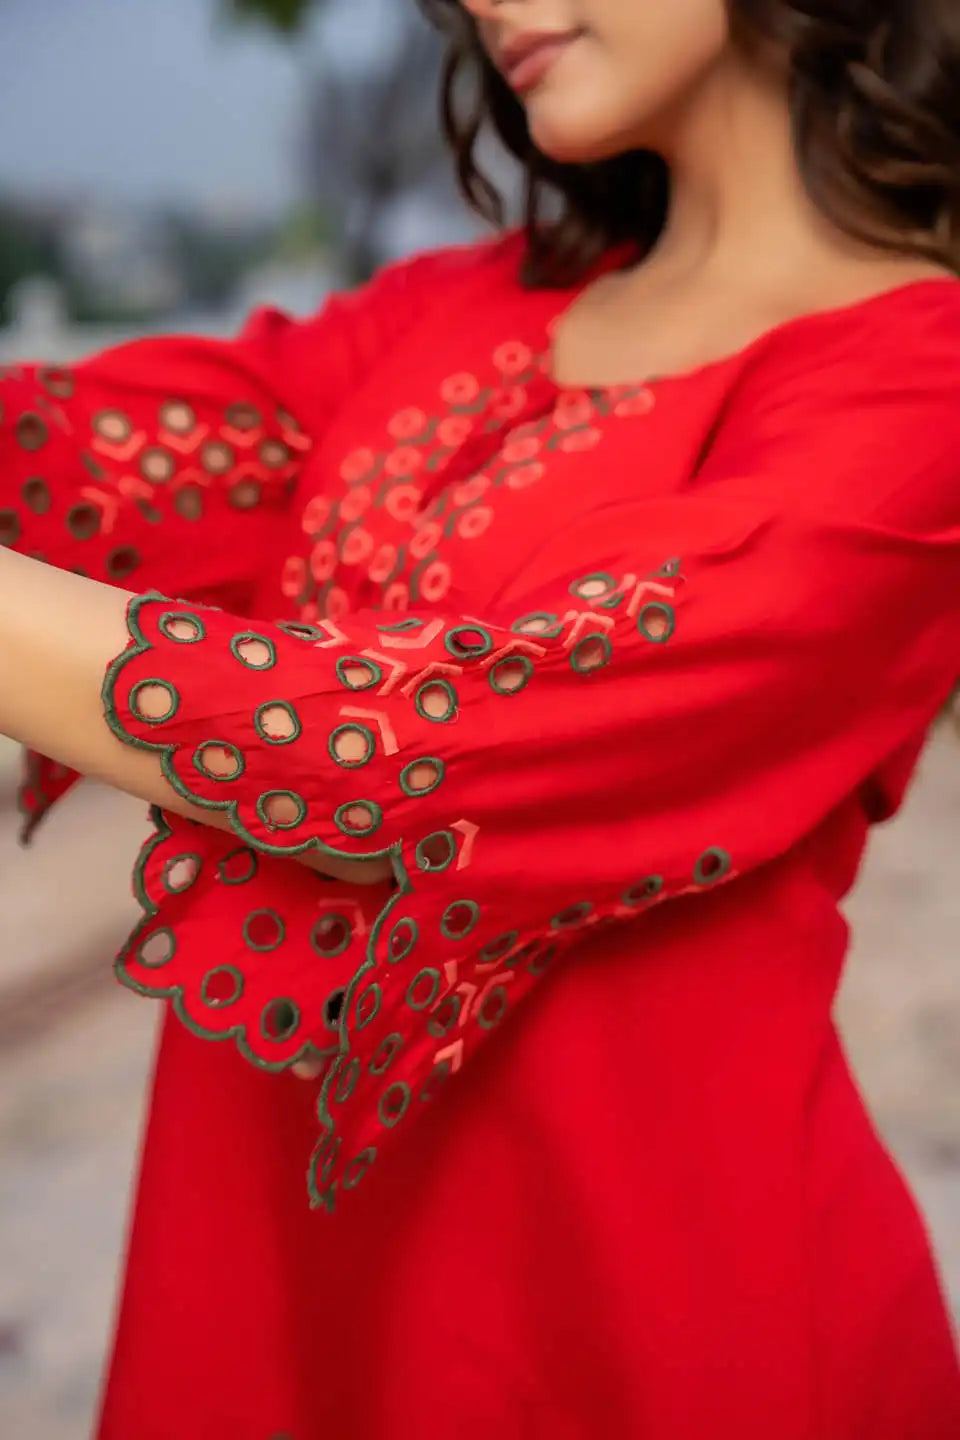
(290, 1024)
(328, 922)
(447, 927)
(452, 697)
(153, 719)
(415, 793)
(238, 980)
(349, 662)
(666, 612)
(576, 662)
(512, 661)
(719, 862)
(374, 810)
(264, 800)
(245, 637)
(180, 860)
(426, 862)
(385, 1111)
(484, 1019)
(171, 617)
(435, 980)
(352, 729)
(270, 945)
(399, 951)
(232, 750)
(463, 650)
(288, 709)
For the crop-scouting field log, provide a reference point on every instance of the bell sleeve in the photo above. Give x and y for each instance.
(670, 694)
(171, 462)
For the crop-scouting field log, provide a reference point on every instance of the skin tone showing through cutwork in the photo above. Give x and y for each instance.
(743, 250)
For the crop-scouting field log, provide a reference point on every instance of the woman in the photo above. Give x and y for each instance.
(616, 564)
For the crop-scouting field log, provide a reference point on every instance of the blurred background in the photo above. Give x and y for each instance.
(167, 165)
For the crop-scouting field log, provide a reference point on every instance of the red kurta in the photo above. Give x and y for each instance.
(653, 659)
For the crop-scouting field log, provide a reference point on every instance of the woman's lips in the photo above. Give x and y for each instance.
(526, 62)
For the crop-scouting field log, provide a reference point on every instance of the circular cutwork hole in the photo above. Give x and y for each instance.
(243, 416)
(657, 622)
(646, 889)
(153, 701)
(298, 631)
(188, 502)
(32, 432)
(9, 527)
(281, 809)
(264, 930)
(358, 1168)
(238, 867)
(403, 938)
(245, 495)
(539, 622)
(113, 426)
(331, 936)
(468, 642)
(437, 700)
(460, 919)
(358, 674)
(543, 961)
(595, 587)
(217, 457)
(122, 562)
(352, 746)
(435, 1081)
(180, 627)
(180, 873)
(279, 1020)
(219, 760)
(333, 1009)
(83, 521)
(497, 948)
(359, 818)
(36, 495)
(394, 1104)
(277, 722)
(368, 1006)
(178, 416)
(437, 852)
(347, 1081)
(573, 916)
(493, 1008)
(254, 651)
(422, 777)
(445, 1017)
(157, 465)
(511, 675)
(592, 653)
(385, 1054)
(714, 865)
(157, 949)
(221, 987)
(424, 989)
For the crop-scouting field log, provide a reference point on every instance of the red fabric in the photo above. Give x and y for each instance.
(652, 1204)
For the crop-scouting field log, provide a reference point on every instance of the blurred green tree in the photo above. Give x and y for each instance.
(287, 15)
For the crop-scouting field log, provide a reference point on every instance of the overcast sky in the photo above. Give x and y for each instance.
(151, 99)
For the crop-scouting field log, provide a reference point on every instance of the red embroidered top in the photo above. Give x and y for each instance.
(618, 679)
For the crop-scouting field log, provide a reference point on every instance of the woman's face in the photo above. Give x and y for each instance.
(598, 77)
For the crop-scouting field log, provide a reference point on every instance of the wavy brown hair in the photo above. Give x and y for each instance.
(874, 89)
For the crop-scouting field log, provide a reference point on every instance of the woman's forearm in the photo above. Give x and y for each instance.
(58, 634)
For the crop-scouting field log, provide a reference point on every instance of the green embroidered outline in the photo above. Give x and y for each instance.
(375, 812)
(525, 663)
(573, 916)
(352, 728)
(666, 612)
(244, 637)
(171, 617)
(499, 947)
(347, 661)
(289, 710)
(452, 697)
(445, 1017)
(643, 890)
(386, 1053)
(359, 1167)
(415, 794)
(272, 914)
(705, 878)
(172, 692)
(176, 993)
(233, 751)
(553, 630)
(261, 812)
(179, 860)
(412, 925)
(389, 1120)
(605, 646)
(236, 976)
(168, 933)
(490, 1022)
(425, 864)
(436, 978)
(372, 992)
(461, 651)
(474, 911)
(344, 944)
(290, 1029)
(242, 879)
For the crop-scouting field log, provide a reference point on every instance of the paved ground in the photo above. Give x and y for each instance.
(75, 1053)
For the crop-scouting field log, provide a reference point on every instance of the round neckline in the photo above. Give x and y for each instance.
(743, 353)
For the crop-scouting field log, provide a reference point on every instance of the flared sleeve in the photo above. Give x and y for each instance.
(171, 462)
(671, 693)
